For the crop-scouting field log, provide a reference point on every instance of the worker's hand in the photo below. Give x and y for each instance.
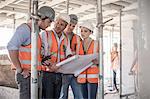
(46, 63)
(53, 67)
(25, 73)
(95, 61)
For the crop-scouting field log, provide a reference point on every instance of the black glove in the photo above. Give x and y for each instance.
(45, 59)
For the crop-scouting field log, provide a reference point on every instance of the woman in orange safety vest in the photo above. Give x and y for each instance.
(89, 77)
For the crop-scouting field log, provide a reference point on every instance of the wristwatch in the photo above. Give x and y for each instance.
(19, 70)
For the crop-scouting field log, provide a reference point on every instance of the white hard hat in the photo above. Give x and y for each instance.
(87, 25)
(64, 17)
(46, 11)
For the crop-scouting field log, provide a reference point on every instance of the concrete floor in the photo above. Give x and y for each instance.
(8, 93)
(112, 96)
(11, 93)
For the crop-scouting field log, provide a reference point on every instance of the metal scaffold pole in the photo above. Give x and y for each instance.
(29, 11)
(14, 22)
(100, 38)
(67, 6)
(34, 52)
(120, 25)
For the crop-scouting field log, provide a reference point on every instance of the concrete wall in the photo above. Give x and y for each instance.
(144, 49)
(127, 57)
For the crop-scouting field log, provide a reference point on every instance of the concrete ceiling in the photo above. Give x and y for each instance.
(85, 10)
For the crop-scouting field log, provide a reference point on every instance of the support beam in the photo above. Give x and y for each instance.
(131, 1)
(10, 13)
(65, 10)
(93, 16)
(125, 18)
(122, 3)
(6, 21)
(16, 10)
(93, 2)
(85, 7)
(19, 16)
(17, 6)
(52, 3)
(7, 2)
(110, 12)
(132, 11)
(87, 17)
(82, 9)
(132, 6)
(4, 16)
(79, 2)
(18, 1)
(104, 2)
(112, 6)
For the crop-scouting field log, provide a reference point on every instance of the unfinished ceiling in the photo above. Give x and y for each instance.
(11, 10)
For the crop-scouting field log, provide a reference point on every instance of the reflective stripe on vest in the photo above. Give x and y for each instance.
(53, 48)
(25, 49)
(81, 78)
(25, 56)
(91, 74)
(28, 62)
(76, 45)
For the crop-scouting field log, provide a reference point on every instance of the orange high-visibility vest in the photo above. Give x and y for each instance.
(25, 56)
(53, 48)
(76, 45)
(91, 74)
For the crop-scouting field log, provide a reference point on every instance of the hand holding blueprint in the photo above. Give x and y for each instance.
(76, 64)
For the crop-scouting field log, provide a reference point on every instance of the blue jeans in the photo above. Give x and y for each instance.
(51, 85)
(69, 79)
(24, 86)
(89, 90)
(114, 80)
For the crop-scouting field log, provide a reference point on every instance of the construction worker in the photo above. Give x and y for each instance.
(115, 65)
(89, 77)
(19, 48)
(58, 46)
(76, 47)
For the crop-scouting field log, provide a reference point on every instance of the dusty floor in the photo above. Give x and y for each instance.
(7, 76)
(8, 93)
(12, 93)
